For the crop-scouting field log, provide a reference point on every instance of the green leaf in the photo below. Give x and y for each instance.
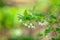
(25, 12)
(27, 38)
(48, 30)
(39, 35)
(40, 17)
(58, 30)
(52, 17)
(53, 38)
(27, 16)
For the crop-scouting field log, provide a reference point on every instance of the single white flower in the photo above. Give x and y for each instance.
(30, 24)
(20, 20)
(46, 36)
(25, 24)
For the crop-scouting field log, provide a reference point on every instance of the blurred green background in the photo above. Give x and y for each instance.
(24, 20)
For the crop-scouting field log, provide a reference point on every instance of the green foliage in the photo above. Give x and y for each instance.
(27, 38)
(21, 38)
(55, 39)
(2, 4)
(52, 19)
(33, 16)
(27, 16)
(47, 31)
(40, 17)
(39, 35)
(58, 31)
(8, 17)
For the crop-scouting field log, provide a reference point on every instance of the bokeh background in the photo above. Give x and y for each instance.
(11, 27)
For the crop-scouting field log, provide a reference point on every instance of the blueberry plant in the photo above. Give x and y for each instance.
(51, 20)
(9, 17)
(47, 20)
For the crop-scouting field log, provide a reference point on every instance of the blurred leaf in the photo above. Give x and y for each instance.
(53, 38)
(39, 35)
(58, 30)
(2, 4)
(52, 19)
(26, 38)
(47, 31)
(27, 16)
